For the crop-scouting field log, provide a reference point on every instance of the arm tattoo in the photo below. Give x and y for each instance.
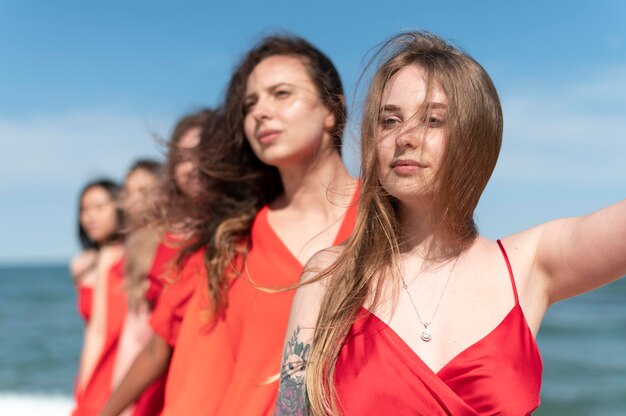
(291, 393)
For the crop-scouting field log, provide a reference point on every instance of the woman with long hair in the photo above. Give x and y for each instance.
(417, 313)
(140, 246)
(98, 276)
(285, 114)
(173, 213)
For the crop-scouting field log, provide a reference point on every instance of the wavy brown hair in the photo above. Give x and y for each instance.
(171, 209)
(474, 132)
(176, 207)
(240, 183)
(141, 240)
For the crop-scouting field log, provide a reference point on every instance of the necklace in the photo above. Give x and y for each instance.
(426, 335)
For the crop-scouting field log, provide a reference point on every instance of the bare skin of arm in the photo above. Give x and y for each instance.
(96, 327)
(292, 398)
(150, 364)
(567, 257)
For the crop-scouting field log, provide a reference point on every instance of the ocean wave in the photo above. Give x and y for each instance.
(29, 404)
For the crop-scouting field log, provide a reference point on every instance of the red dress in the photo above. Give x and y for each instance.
(150, 403)
(96, 391)
(224, 366)
(377, 372)
(85, 299)
(169, 311)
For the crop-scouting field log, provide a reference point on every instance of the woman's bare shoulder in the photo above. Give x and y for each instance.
(82, 263)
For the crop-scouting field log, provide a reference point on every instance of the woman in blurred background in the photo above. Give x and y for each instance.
(98, 277)
(140, 246)
(171, 279)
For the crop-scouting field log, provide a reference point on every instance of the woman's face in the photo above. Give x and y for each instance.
(138, 188)
(411, 134)
(98, 214)
(286, 122)
(186, 169)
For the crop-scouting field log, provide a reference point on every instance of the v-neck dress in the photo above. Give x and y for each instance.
(377, 372)
(225, 366)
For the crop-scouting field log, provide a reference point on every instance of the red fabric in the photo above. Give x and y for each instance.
(222, 367)
(168, 313)
(160, 275)
(97, 389)
(150, 403)
(377, 372)
(203, 352)
(85, 298)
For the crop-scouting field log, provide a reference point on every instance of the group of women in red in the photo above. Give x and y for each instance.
(252, 275)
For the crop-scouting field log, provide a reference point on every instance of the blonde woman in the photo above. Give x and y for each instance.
(417, 313)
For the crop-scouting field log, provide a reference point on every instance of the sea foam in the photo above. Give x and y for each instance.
(34, 404)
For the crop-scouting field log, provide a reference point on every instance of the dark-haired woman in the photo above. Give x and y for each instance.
(417, 313)
(170, 280)
(98, 276)
(285, 115)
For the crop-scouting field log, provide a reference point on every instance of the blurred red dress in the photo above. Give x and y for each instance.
(94, 394)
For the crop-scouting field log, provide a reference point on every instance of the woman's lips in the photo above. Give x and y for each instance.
(406, 166)
(266, 136)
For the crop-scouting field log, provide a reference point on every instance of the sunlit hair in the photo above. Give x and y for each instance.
(241, 182)
(473, 130)
(114, 191)
(172, 210)
(176, 207)
(141, 241)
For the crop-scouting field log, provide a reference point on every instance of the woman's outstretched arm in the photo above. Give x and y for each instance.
(571, 256)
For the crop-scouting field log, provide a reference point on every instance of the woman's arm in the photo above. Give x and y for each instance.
(151, 363)
(305, 308)
(575, 255)
(136, 334)
(95, 330)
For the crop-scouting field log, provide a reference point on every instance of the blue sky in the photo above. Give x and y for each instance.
(84, 86)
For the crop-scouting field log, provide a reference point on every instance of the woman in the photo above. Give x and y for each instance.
(97, 274)
(171, 278)
(417, 313)
(140, 247)
(285, 111)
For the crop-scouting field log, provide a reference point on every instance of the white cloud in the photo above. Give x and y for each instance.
(67, 149)
(572, 134)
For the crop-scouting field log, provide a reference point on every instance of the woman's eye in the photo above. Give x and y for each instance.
(434, 121)
(282, 93)
(389, 122)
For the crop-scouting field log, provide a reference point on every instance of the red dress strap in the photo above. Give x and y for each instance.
(508, 266)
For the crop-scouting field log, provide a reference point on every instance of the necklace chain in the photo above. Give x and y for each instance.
(426, 335)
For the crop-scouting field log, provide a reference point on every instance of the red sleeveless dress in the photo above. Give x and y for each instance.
(96, 391)
(377, 372)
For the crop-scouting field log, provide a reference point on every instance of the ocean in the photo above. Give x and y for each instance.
(582, 342)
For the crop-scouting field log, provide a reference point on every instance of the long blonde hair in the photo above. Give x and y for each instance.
(474, 134)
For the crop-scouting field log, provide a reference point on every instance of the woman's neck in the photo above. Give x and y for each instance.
(321, 184)
(419, 233)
